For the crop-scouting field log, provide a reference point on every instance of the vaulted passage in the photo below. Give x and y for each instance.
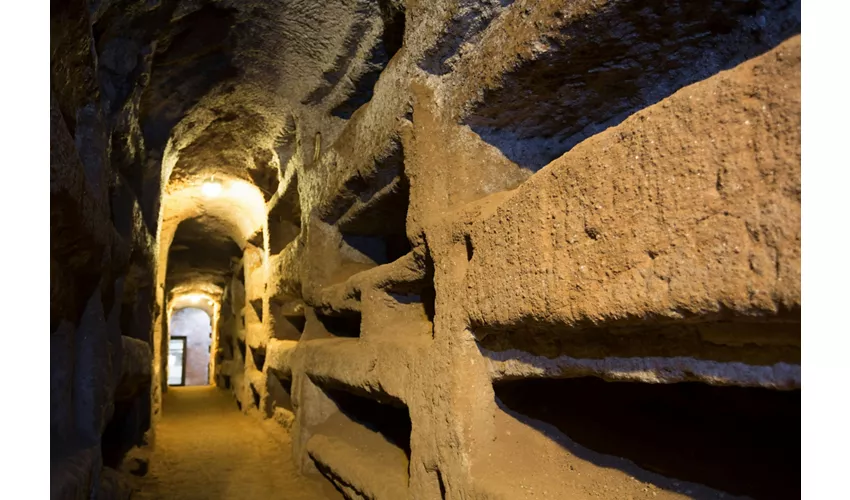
(386, 249)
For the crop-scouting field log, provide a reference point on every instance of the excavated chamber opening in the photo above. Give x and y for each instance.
(370, 215)
(374, 225)
(285, 218)
(346, 325)
(388, 417)
(258, 356)
(744, 441)
(288, 324)
(755, 342)
(240, 344)
(279, 387)
(255, 396)
(370, 432)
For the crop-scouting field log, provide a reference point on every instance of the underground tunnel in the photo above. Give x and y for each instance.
(388, 249)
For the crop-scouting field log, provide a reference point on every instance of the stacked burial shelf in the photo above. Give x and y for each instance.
(286, 309)
(375, 305)
(699, 401)
(285, 323)
(365, 446)
(375, 301)
(678, 436)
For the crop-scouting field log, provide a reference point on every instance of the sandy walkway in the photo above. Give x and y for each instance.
(206, 449)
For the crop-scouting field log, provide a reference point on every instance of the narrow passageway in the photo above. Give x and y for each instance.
(206, 449)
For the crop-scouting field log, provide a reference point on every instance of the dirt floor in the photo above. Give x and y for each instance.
(207, 449)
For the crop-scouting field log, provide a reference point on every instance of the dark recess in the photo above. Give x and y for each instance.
(286, 327)
(665, 339)
(241, 344)
(393, 15)
(429, 292)
(257, 305)
(285, 219)
(379, 249)
(442, 484)
(259, 355)
(372, 213)
(743, 441)
(256, 396)
(384, 206)
(420, 290)
(391, 421)
(279, 390)
(347, 325)
(129, 422)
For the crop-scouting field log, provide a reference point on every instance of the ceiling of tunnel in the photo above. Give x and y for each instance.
(223, 74)
(203, 301)
(217, 87)
(202, 234)
(197, 254)
(238, 211)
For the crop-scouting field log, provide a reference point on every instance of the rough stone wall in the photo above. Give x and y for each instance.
(556, 254)
(101, 276)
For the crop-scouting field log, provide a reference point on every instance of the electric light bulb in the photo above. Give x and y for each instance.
(211, 189)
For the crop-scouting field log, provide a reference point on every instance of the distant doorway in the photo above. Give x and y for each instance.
(177, 361)
(190, 341)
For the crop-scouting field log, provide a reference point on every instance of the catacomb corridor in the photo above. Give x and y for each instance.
(439, 249)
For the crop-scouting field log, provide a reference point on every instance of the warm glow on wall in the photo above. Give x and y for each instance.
(233, 200)
(243, 190)
(194, 298)
(211, 189)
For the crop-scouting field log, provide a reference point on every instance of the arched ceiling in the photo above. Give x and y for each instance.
(203, 301)
(204, 88)
(202, 235)
(199, 255)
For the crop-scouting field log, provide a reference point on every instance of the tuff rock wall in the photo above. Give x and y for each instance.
(101, 275)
